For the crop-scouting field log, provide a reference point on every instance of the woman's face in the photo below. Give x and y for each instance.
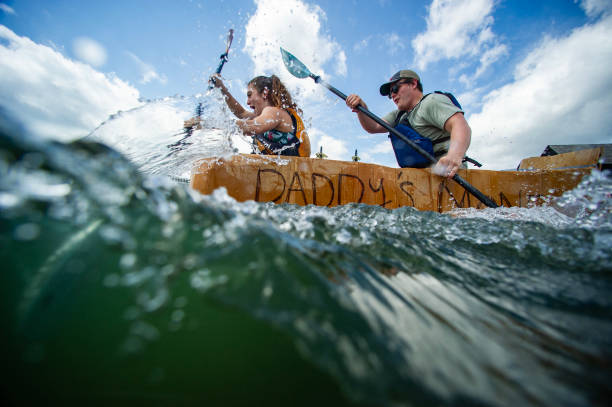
(255, 100)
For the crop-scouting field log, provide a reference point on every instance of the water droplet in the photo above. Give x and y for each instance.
(267, 291)
(178, 315)
(132, 344)
(180, 302)
(8, 200)
(131, 313)
(144, 330)
(26, 231)
(127, 260)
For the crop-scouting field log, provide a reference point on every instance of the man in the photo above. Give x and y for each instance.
(434, 117)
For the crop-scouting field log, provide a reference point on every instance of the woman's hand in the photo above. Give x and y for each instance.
(217, 82)
(193, 122)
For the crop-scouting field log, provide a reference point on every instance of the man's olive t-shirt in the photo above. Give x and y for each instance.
(428, 118)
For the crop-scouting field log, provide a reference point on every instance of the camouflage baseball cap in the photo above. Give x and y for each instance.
(403, 74)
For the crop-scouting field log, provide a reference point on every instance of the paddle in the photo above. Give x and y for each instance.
(224, 59)
(224, 56)
(299, 70)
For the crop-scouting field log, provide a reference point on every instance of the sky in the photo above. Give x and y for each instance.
(527, 73)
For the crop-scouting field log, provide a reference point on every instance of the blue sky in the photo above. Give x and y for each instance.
(527, 73)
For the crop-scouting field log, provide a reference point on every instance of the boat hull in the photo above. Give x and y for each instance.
(310, 181)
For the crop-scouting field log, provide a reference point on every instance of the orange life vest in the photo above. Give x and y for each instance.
(303, 142)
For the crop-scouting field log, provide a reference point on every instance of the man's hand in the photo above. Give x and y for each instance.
(460, 133)
(447, 166)
(368, 124)
(353, 101)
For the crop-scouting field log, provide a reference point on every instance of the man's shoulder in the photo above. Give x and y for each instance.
(434, 97)
(438, 101)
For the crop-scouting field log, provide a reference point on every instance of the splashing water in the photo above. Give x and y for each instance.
(120, 286)
(589, 205)
(152, 136)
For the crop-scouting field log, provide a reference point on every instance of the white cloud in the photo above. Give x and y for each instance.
(147, 71)
(487, 58)
(341, 63)
(333, 147)
(594, 8)
(381, 150)
(383, 146)
(7, 9)
(561, 94)
(393, 43)
(295, 26)
(361, 45)
(380, 153)
(89, 51)
(53, 96)
(458, 29)
(490, 56)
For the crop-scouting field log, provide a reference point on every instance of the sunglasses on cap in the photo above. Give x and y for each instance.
(395, 88)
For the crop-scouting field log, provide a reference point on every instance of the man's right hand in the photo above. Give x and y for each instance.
(370, 125)
(353, 101)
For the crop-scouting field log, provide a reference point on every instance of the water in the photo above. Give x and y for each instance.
(153, 138)
(122, 286)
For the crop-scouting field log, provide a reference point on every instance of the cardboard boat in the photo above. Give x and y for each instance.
(313, 181)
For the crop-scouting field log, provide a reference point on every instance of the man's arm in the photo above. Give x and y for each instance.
(461, 135)
(366, 122)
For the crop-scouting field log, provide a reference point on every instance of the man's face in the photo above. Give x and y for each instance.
(401, 93)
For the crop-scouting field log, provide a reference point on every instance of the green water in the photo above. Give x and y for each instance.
(121, 288)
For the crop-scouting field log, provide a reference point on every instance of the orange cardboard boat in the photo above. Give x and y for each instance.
(313, 181)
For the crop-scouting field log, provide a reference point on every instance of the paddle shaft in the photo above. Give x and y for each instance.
(470, 188)
(219, 68)
(224, 58)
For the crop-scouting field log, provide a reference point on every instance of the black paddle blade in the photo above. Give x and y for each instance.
(294, 65)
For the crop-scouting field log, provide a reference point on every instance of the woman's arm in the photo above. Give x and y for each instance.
(270, 118)
(231, 102)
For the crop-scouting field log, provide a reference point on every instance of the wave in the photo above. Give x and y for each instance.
(120, 285)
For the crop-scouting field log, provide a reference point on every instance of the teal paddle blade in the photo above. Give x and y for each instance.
(294, 65)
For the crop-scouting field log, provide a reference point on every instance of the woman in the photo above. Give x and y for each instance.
(274, 123)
